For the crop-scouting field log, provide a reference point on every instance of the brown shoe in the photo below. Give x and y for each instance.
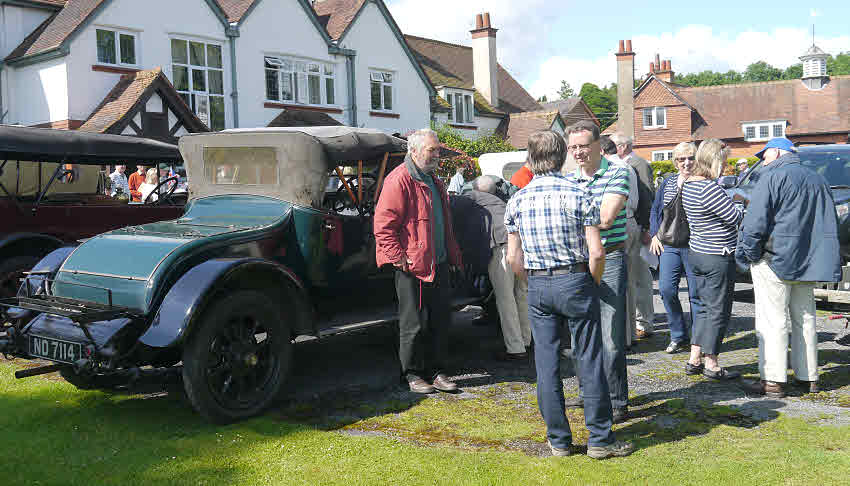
(769, 389)
(641, 334)
(442, 383)
(418, 385)
(811, 386)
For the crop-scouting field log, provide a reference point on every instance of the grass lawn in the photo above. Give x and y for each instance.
(56, 434)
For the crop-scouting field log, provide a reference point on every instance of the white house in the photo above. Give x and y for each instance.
(235, 63)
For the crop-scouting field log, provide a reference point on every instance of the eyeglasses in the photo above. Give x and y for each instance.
(576, 148)
(682, 159)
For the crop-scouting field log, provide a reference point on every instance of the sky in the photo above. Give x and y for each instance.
(541, 42)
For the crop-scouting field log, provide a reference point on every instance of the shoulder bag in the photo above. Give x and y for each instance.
(673, 230)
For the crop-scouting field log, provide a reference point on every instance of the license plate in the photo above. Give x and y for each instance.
(55, 349)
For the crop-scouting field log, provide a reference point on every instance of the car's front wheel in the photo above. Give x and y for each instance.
(237, 359)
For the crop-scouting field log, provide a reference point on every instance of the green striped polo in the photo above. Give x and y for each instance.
(609, 179)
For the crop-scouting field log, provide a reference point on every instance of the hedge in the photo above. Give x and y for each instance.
(470, 150)
(661, 167)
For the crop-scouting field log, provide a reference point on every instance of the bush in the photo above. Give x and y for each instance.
(661, 167)
(470, 150)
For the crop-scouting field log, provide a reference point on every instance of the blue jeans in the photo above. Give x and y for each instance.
(673, 263)
(612, 313)
(552, 301)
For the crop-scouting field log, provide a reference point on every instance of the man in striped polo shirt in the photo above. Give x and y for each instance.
(608, 185)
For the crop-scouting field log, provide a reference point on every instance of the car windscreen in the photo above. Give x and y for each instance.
(834, 166)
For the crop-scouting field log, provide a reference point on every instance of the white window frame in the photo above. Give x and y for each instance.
(758, 126)
(117, 45)
(205, 94)
(467, 108)
(374, 75)
(297, 72)
(665, 155)
(655, 110)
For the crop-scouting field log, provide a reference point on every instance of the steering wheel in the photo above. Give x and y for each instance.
(166, 196)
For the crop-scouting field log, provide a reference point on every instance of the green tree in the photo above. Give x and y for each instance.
(761, 71)
(794, 71)
(566, 91)
(602, 102)
(543, 99)
(839, 65)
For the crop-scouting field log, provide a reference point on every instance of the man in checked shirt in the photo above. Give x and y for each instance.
(554, 241)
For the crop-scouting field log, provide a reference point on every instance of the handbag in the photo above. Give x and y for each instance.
(674, 230)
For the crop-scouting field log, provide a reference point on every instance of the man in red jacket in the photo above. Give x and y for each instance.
(413, 232)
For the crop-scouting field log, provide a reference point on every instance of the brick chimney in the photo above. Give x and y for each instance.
(625, 89)
(662, 70)
(484, 66)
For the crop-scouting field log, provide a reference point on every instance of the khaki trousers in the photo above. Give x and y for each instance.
(511, 301)
(640, 311)
(784, 306)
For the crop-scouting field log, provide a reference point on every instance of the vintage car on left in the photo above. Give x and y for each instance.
(267, 252)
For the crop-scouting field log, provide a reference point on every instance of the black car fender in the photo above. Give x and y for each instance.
(34, 244)
(182, 306)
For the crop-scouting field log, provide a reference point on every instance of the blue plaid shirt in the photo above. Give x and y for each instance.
(550, 215)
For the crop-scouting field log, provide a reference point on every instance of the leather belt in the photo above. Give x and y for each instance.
(615, 247)
(574, 268)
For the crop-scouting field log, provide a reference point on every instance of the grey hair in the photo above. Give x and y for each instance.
(546, 152)
(484, 183)
(622, 139)
(417, 139)
(583, 126)
(710, 159)
(683, 149)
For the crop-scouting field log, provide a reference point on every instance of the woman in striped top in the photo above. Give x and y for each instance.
(713, 221)
(673, 262)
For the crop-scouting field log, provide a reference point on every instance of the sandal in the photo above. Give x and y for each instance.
(693, 369)
(721, 374)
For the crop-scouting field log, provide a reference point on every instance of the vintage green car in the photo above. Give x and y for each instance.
(267, 253)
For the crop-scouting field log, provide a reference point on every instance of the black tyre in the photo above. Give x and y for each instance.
(237, 359)
(12, 271)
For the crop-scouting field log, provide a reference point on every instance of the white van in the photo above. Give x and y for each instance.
(502, 164)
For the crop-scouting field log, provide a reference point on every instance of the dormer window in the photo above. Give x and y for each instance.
(463, 106)
(763, 130)
(655, 117)
(116, 47)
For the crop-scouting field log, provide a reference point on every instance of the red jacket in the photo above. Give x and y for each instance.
(403, 223)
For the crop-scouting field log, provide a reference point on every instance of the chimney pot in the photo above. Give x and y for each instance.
(658, 61)
(479, 21)
(629, 45)
(669, 65)
(622, 48)
(487, 20)
(651, 67)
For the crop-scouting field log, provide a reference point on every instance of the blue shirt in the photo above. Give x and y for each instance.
(440, 252)
(712, 217)
(608, 179)
(119, 180)
(550, 215)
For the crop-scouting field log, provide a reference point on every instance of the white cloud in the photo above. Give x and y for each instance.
(693, 48)
(524, 31)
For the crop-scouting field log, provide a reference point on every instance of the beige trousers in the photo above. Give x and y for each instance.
(640, 311)
(784, 306)
(511, 300)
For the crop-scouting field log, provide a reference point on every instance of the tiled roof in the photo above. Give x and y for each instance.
(235, 9)
(336, 15)
(451, 65)
(522, 125)
(724, 108)
(53, 3)
(290, 117)
(562, 106)
(53, 31)
(120, 100)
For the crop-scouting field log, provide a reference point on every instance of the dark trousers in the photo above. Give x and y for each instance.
(612, 305)
(673, 264)
(714, 284)
(424, 317)
(572, 299)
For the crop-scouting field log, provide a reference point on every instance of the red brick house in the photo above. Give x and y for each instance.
(811, 110)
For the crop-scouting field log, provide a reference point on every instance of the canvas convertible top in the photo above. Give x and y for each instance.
(48, 145)
(341, 143)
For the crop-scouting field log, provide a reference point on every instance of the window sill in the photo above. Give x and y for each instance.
(104, 68)
(384, 114)
(288, 106)
(655, 128)
(463, 127)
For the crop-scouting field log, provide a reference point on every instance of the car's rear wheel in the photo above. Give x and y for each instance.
(12, 271)
(237, 360)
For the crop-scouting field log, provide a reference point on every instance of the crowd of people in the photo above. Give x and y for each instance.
(141, 183)
(566, 244)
